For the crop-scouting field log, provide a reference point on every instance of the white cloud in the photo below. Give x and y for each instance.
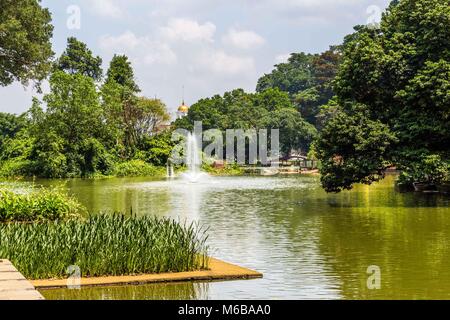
(169, 51)
(243, 39)
(219, 62)
(188, 30)
(317, 3)
(282, 58)
(140, 49)
(126, 40)
(105, 8)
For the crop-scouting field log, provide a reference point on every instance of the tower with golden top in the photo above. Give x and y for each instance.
(182, 110)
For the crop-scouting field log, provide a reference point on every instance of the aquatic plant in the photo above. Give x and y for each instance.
(104, 245)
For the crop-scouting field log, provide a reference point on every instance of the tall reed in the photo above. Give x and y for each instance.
(104, 245)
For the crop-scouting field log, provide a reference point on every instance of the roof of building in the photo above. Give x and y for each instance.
(183, 108)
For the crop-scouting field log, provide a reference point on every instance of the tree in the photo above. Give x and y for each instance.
(25, 48)
(74, 121)
(121, 72)
(10, 126)
(353, 148)
(269, 109)
(157, 148)
(121, 104)
(399, 77)
(324, 70)
(307, 78)
(295, 132)
(78, 59)
(150, 113)
(82, 131)
(292, 77)
(141, 117)
(48, 156)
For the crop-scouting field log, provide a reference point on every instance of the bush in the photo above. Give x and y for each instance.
(15, 168)
(137, 168)
(428, 169)
(157, 148)
(38, 205)
(228, 170)
(104, 245)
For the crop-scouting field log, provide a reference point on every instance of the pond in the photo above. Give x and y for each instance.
(308, 244)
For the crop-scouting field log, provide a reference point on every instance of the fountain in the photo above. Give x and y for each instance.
(193, 161)
(170, 170)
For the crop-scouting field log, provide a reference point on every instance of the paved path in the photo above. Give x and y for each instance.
(14, 286)
(219, 271)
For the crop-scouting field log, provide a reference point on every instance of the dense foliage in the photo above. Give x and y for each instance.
(380, 99)
(37, 205)
(79, 130)
(136, 168)
(78, 59)
(308, 80)
(270, 109)
(25, 48)
(393, 99)
(104, 245)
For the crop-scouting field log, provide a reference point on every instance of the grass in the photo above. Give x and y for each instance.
(37, 205)
(103, 245)
(137, 168)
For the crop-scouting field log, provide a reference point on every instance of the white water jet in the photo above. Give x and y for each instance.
(193, 161)
(170, 171)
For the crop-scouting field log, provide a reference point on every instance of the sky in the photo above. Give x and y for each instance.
(206, 46)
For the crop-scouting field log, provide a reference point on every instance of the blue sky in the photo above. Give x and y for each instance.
(209, 46)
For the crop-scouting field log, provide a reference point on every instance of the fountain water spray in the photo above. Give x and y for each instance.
(193, 160)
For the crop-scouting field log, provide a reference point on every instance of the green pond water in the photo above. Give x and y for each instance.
(308, 244)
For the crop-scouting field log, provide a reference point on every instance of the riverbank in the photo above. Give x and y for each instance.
(132, 168)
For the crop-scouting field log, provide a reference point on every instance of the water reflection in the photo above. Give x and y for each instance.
(308, 244)
(166, 291)
(407, 238)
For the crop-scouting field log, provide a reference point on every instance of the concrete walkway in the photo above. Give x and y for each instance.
(14, 286)
(219, 271)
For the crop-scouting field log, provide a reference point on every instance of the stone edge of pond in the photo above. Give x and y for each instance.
(14, 286)
(219, 271)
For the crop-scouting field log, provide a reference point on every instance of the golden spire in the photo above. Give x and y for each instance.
(183, 108)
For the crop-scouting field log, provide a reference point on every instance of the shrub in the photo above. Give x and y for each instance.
(228, 170)
(15, 168)
(104, 245)
(41, 204)
(136, 168)
(430, 169)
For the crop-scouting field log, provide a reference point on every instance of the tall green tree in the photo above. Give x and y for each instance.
(121, 72)
(324, 70)
(292, 77)
(307, 78)
(121, 104)
(396, 81)
(82, 131)
(78, 59)
(72, 129)
(25, 48)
